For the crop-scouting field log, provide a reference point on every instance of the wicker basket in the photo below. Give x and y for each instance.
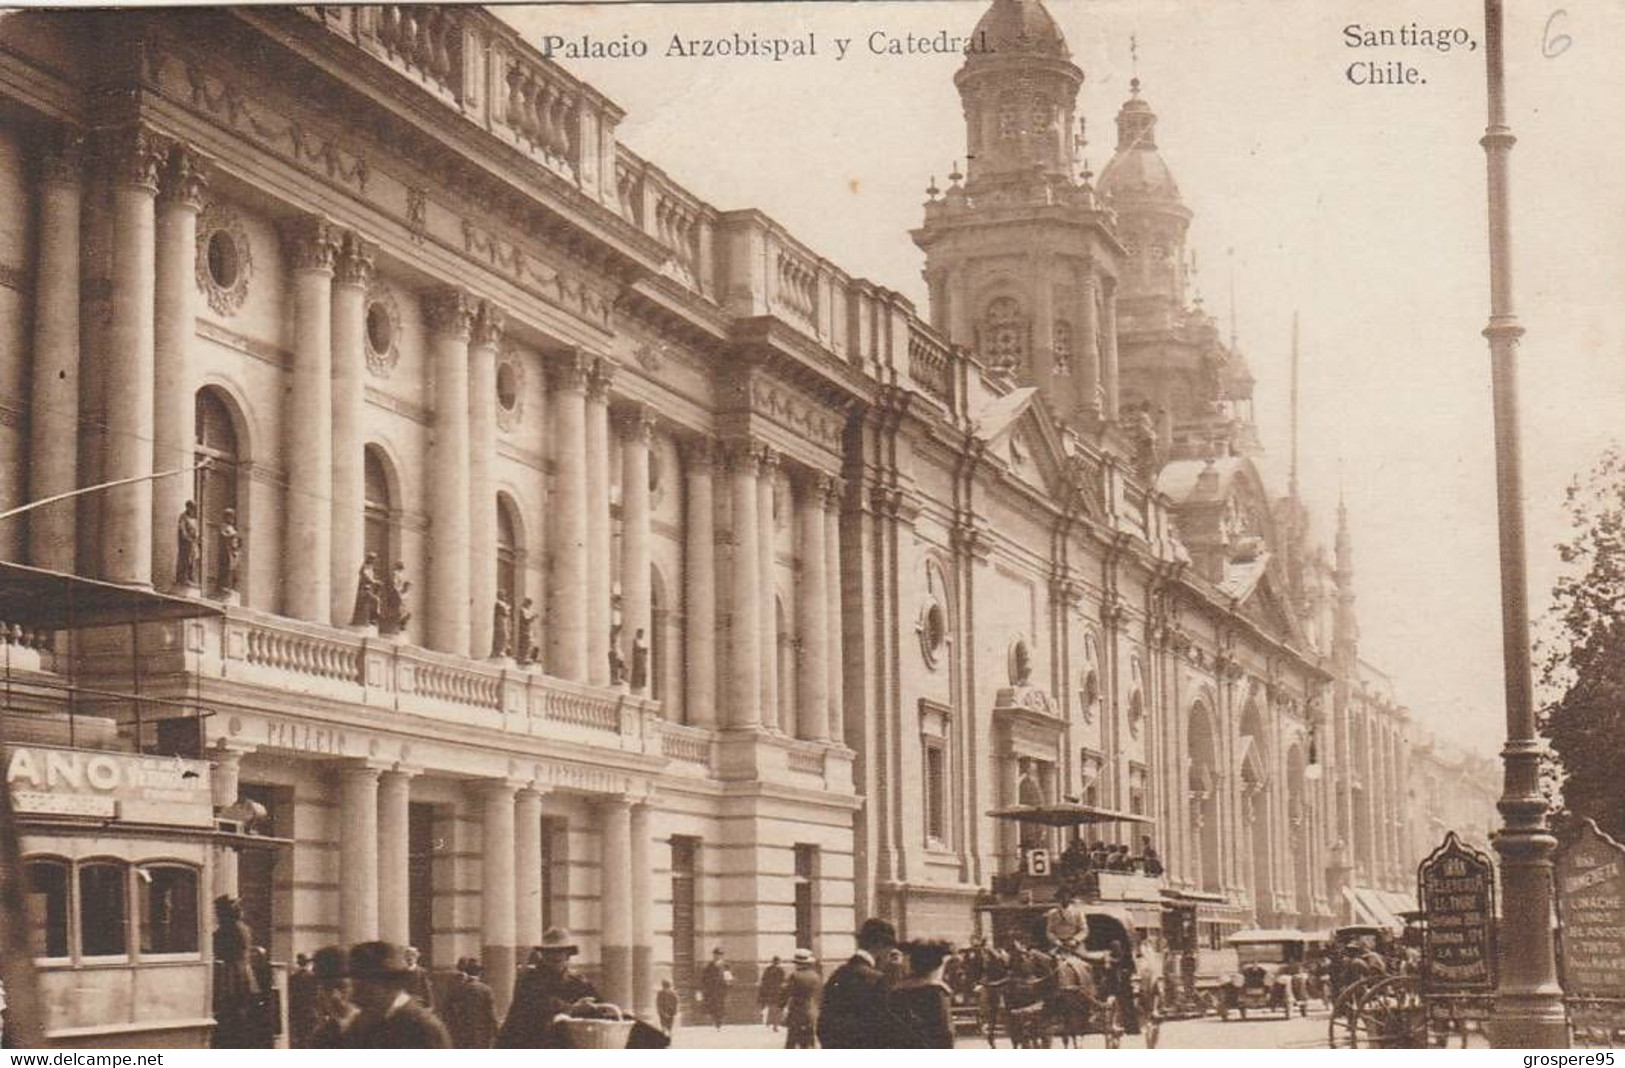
(596, 1034)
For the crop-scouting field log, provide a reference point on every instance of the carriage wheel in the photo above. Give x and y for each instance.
(1392, 1013)
(1341, 1031)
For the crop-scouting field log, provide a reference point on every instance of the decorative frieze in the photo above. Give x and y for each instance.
(789, 409)
(536, 277)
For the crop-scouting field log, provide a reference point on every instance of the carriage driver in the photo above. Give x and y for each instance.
(1066, 925)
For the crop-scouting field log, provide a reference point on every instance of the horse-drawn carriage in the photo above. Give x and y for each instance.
(1109, 975)
(1376, 993)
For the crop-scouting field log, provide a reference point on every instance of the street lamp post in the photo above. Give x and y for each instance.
(1529, 1002)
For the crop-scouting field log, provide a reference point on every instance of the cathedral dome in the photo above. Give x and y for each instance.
(1022, 26)
(1137, 169)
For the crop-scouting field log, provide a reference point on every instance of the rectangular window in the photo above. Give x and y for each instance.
(47, 908)
(807, 897)
(167, 896)
(936, 792)
(103, 891)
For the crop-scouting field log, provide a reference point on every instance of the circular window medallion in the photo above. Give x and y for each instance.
(510, 391)
(383, 327)
(224, 260)
(933, 629)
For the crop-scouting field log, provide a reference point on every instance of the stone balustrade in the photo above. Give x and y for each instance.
(930, 363)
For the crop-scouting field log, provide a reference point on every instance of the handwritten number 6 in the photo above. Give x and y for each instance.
(1554, 45)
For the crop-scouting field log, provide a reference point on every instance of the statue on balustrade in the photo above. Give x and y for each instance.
(395, 614)
(501, 638)
(189, 546)
(617, 662)
(640, 662)
(526, 646)
(366, 593)
(231, 552)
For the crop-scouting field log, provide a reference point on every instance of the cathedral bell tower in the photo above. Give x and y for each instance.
(1021, 256)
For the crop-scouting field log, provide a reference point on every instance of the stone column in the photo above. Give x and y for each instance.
(358, 855)
(311, 245)
(135, 156)
(482, 497)
(643, 914)
(567, 631)
(352, 275)
(615, 898)
(527, 854)
(394, 856)
(598, 544)
(449, 314)
(812, 710)
(53, 447)
(767, 590)
(700, 593)
(635, 596)
(1108, 342)
(1088, 350)
(744, 634)
(225, 783)
(174, 328)
(497, 913)
(834, 655)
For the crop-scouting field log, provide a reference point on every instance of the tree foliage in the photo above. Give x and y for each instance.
(1582, 666)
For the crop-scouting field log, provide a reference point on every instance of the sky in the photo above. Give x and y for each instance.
(1359, 207)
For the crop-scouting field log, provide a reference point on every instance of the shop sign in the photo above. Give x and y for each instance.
(101, 785)
(1456, 888)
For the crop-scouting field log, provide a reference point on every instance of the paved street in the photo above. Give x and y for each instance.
(1207, 1033)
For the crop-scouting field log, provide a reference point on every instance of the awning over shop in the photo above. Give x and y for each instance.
(1380, 908)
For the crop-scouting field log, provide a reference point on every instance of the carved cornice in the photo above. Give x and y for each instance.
(310, 241)
(356, 261)
(449, 310)
(185, 178)
(490, 322)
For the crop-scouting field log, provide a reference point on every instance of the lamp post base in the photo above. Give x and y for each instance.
(1533, 1022)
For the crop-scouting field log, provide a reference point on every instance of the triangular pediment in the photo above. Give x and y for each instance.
(1269, 610)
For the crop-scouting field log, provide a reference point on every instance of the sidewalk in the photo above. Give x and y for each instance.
(731, 1036)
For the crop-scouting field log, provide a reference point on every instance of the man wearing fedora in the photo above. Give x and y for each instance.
(801, 988)
(715, 979)
(545, 993)
(380, 975)
(471, 1010)
(856, 1009)
(334, 1012)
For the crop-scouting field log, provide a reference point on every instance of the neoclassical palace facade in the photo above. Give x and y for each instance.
(712, 595)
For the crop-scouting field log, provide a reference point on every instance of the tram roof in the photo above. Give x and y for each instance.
(35, 597)
(1067, 814)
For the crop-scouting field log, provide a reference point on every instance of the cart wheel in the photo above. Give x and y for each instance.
(1341, 1031)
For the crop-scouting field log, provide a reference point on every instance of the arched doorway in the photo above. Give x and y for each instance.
(1204, 796)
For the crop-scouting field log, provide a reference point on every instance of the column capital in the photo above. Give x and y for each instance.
(450, 310)
(310, 241)
(534, 791)
(136, 156)
(185, 180)
(496, 789)
(601, 379)
(699, 453)
(404, 771)
(355, 261)
(490, 323)
(615, 802)
(360, 769)
(638, 423)
(834, 493)
(571, 371)
(60, 152)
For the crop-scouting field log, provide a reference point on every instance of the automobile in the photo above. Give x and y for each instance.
(1271, 973)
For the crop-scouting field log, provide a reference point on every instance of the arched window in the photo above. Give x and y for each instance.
(1004, 337)
(510, 580)
(379, 522)
(46, 907)
(215, 486)
(102, 901)
(167, 901)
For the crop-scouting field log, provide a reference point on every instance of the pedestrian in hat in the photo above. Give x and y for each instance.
(547, 992)
(301, 1002)
(391, 1018)
(856, 1009)
(238, 995)
(418, 984)
(471, 1007)
(330, 970)
(801, 989)
(769, 993)
(714, 983)
(921, 999)
(666, 1005)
